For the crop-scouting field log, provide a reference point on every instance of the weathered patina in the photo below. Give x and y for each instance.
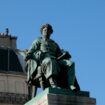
(48, 65)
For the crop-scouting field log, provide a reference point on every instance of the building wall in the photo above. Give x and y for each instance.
(13, 89)
(9, 104)
(13, 83)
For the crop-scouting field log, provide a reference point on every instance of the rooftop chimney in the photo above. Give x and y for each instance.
(7, 40)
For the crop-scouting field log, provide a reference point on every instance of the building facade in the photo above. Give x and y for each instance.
(13, 88)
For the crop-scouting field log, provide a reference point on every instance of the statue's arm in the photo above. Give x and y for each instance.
(62, 54)
(59, 51)
(35, 46)
(65, 55)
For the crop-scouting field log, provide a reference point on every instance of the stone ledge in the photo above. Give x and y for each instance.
(54, 96)
(69, 100)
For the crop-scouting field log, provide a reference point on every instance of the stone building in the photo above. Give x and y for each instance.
(13, 89)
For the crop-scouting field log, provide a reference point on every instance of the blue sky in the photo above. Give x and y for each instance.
(79, 27)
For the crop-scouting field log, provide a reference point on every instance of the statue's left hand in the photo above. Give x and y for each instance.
(65, 55)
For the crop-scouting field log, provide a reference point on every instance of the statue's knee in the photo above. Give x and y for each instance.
(47, 60)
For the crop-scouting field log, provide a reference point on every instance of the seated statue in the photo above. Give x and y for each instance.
(48, 63)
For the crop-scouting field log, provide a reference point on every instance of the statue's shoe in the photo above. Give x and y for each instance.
(72, 87)
(54, 86)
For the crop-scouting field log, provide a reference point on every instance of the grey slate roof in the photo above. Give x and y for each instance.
(9, 60)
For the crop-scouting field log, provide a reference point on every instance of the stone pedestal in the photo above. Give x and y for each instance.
(53, 96)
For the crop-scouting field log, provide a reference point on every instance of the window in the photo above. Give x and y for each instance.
(9, 61)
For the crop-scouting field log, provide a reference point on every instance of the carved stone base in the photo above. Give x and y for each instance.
(53, 96)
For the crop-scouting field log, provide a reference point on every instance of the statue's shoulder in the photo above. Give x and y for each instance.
(54, 42)
(37, 40)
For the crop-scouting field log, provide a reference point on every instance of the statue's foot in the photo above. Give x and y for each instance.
(54, 86)
(72, 87)
(53, 82)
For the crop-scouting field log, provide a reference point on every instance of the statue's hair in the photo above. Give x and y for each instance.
(49, 27)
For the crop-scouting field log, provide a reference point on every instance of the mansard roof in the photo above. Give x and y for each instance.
(9, 61)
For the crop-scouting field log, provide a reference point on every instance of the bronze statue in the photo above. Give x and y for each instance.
(47, 63)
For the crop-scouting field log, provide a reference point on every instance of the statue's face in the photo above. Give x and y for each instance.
(46, 32)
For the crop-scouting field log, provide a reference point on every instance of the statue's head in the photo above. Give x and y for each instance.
(46, 30)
